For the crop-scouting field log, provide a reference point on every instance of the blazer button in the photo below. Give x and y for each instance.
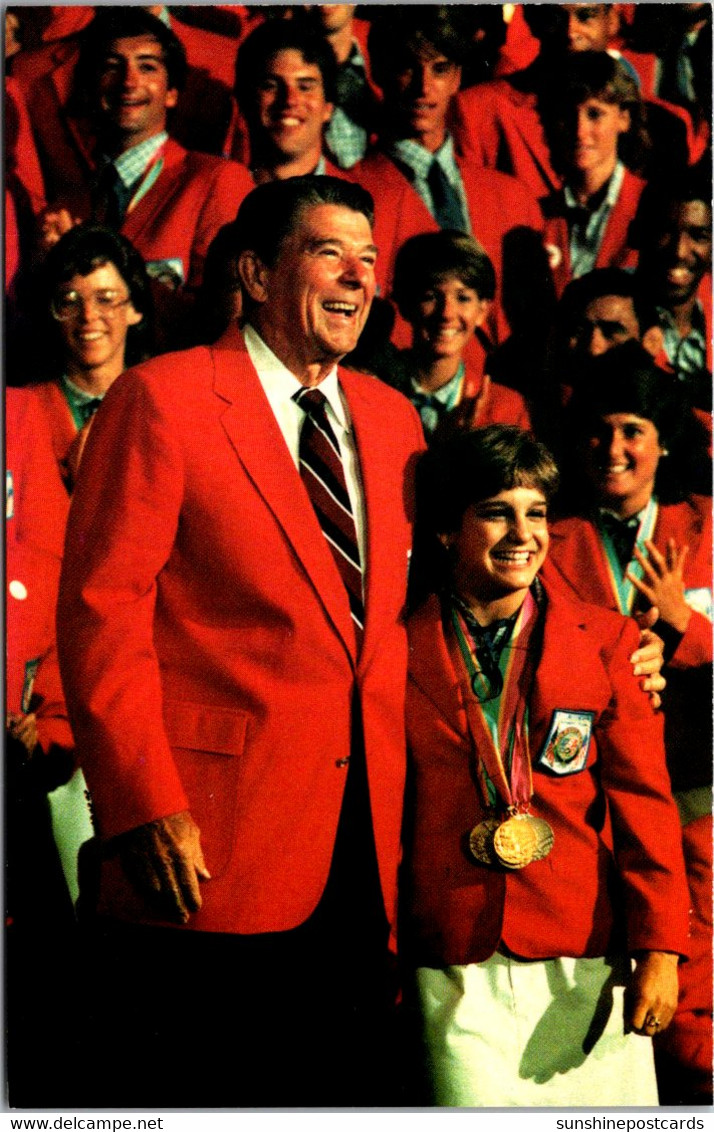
(341, 763)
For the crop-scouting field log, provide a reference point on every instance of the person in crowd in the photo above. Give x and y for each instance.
(64, 131)
(444, 284)
(168, 201)
(415, 175)
(39, 758)
(593, 118)
(637, 536)
(545, 904)
(355, 113)
(95, 300)
(675, 242)
(602, 309)
(285, 90)
(234, 655)
(498, 123)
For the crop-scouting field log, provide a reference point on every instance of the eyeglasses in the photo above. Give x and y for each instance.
(70, 305)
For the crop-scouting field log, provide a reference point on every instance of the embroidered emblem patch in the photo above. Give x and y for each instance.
(566, 748)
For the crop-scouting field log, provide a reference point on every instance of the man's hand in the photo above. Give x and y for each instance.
(52, 225)
(164, 861)
(652, 993)
(23, 727)
(647, 660)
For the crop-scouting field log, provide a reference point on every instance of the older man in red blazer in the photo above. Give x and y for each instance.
(239, 714)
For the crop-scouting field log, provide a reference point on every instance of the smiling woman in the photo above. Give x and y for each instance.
(593, 118)
(542, 852)
(96, 302)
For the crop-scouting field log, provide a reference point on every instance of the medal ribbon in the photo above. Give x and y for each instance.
(622, 588)
(504, 740)
(148, 178)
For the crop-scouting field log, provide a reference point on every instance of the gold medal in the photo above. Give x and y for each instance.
(515, 842)
(481, 841)
(544, 837)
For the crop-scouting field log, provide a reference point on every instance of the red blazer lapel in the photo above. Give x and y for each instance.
(430, 666)
(577, 559)
(615, 249)
(256, 437)
(568, 677)
(169, 178)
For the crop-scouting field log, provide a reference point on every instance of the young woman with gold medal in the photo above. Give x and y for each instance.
(544, 897)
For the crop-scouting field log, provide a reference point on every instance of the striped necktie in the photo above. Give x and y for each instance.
(324, 477)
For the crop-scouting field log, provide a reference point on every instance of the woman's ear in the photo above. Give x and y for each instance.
(484, 310)
(133, 316)
(446, 540)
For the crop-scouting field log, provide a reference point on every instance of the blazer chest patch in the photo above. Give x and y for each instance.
(568, 742)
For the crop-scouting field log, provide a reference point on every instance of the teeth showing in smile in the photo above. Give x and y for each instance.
(616, 469)
(340, 308)
(91, 336)
(517, 557)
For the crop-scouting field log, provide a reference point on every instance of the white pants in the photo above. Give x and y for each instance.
(512, 1033)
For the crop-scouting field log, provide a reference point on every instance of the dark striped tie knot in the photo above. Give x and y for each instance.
(323, 474)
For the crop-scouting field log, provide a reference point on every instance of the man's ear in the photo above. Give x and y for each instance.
(253, 276)
(653, 340)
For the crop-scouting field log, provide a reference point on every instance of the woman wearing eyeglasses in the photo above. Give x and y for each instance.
(94, 293)
(95, 288)
(544, 896)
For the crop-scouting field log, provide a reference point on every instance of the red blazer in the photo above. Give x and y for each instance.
(497, 205)
(58, 416)
(496, 124)
(576, 556)
(200, 121)
(205, 637)
(37, 507)
(614, 878)
(615, 249)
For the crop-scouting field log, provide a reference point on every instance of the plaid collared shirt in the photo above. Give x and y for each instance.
(417, 160)
(588, 228)
(131, 164)
(688, 355)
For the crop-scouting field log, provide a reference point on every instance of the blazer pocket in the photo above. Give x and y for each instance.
(206, 742)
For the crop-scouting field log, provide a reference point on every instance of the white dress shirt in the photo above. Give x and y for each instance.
(280, 385)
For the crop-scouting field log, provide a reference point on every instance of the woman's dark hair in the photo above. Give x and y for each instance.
(626, 380)
(81, 251)
(593, 74)
(466, 469)
(430, 258)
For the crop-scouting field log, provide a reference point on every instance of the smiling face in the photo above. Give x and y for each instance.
(622, 455)
(593, 136)
(290, 108)
(499, 548)
(419, 94)
(311, 305)
(445, 317)
(134, 91)
(681, 252)
(99, 314)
